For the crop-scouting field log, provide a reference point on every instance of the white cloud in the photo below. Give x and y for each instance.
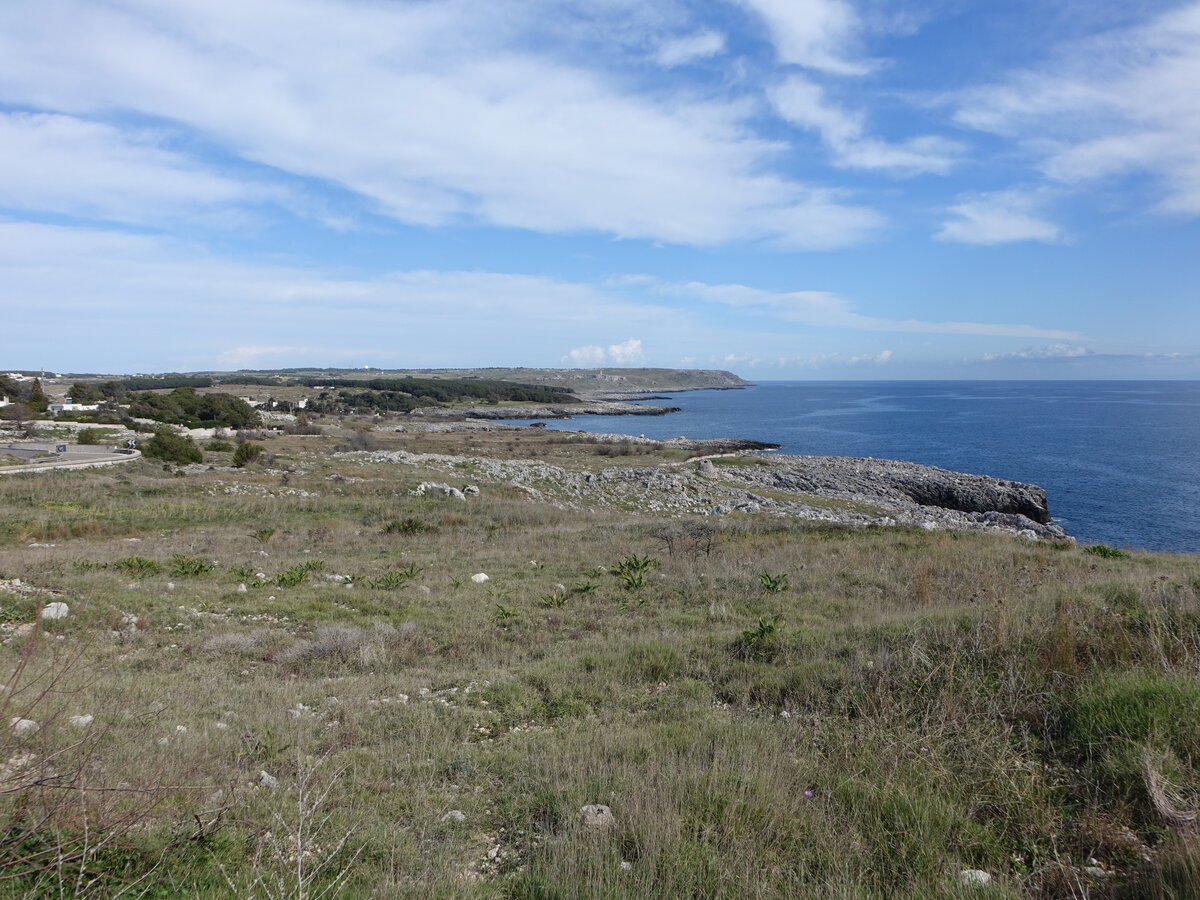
(817, 34)
(586, 357)
(61, 164)
(825, 309)
(628, 353)
(803, 103)
(1049, 351)
(1124, 102)
(680, 51)
(999, 218)
(435, 113)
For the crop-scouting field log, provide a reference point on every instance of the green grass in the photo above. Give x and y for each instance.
(907, 705)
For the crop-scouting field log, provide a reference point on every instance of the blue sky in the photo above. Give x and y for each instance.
(783, 188)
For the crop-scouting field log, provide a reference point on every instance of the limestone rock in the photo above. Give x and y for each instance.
(55, 610)
(597, 815)
(974, 877)
(23, 727)
(480, 578)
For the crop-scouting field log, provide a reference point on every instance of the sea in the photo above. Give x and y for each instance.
(1120, 460)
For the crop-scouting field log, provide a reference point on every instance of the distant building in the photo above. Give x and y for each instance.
(74, 407)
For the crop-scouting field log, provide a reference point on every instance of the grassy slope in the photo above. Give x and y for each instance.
(928, 702)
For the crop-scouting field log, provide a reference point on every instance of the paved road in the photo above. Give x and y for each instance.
(77, 456)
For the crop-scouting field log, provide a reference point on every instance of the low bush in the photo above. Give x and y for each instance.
(172, 448)
(247, 453)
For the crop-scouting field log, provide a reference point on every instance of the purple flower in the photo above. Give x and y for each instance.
(808, 794)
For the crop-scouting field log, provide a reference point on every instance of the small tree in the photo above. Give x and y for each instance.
(17, 413)
(37, 400)
(82, 392)
(246, 454)
(91, 436)
(171, 447)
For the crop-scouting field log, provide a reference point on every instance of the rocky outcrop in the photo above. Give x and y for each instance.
(896, 480)
(835, 490)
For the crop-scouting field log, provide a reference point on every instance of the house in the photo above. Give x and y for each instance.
(73, 407)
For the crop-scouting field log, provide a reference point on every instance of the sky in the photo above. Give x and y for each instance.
(787, 189)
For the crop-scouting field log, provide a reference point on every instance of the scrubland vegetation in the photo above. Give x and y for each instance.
(297, 689)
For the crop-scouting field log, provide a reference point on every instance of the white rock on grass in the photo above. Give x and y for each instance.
(974, 877)
(241, 588)
(55, 610)
(268, 781)
(82, 721)
(480, 578)
(455, 815)
(23, 727)
(597, 815)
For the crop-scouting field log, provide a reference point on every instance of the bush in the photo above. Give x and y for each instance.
(171, 447)
(218, 446)
(92, 436)
(247, 453)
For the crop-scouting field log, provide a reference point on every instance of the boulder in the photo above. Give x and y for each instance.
(596, 815)
(23, 727)
(55, 610)
(974, 877)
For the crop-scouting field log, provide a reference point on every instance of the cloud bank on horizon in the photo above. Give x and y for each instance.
(788, 188)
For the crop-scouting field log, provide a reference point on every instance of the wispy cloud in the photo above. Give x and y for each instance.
(435, 114)
(63, 164)
(802, 102)
(262, 357)
(1121, 103)
(680, 51)
(1003, 217)
(816, 34)
(822, 308)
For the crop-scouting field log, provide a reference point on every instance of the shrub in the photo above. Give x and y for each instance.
(173, 448)
(761, 642)
(1106, 552)
(91, 436)
(344, 643)
(774, 584)
(406, 526)
(182, 566)
(218, 446)
(247, 453)
(137, 565)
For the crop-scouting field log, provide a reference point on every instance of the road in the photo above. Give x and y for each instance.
(77, 456)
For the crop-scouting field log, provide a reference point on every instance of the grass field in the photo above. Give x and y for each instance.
(298, 690)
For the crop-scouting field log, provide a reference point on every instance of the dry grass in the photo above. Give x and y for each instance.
(928, 702)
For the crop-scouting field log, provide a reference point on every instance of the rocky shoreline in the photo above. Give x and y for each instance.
(729, 479)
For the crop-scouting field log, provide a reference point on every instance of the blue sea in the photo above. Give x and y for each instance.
(1120, 460)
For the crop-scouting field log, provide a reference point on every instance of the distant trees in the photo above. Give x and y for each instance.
(183, 406)
(82, 392)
